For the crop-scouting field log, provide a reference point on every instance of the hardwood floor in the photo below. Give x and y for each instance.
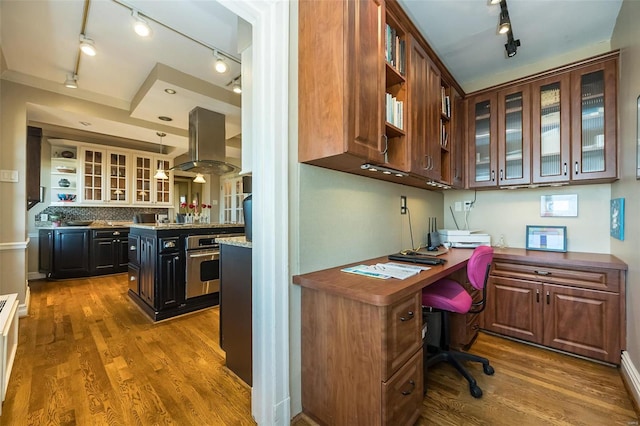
(88, 356)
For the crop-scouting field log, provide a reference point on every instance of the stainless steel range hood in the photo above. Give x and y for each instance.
(206, 144)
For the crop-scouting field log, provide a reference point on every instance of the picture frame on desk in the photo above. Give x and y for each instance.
(546, 238)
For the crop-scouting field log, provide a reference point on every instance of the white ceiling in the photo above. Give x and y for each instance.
(39, 39)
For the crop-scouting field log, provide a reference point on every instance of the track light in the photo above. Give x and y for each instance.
(512, 45)
(71, 82)
(221, 66)
(140, 26)
(236, 87)
(199, 178)
(87, 46)
(505, 23)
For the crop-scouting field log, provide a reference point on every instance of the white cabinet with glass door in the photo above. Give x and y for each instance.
(104, 176)
(231, 196)
(147, 188)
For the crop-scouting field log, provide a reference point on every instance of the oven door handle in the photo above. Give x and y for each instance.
(216, 255)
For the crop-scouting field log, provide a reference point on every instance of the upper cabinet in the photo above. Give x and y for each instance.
(148, 189)
(371, 98)
(558, 128)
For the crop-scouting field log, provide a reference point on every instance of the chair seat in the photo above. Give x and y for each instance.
(447, 295)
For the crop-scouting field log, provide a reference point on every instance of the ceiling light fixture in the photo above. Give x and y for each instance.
(505, 27)
(140, 26)
(160, 174)
(170, 91)
(164, 118)
(71, 82)
(236, 87)
(220, 66)
(87, 46)
(199, 178)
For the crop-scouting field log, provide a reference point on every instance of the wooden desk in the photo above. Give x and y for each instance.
(362, 344)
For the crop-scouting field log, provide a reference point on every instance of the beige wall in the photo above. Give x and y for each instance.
(627, 38)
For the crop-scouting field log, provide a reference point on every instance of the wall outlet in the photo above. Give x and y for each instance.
(403, 204)
(458, 206)
(467, 205)
(44, 217)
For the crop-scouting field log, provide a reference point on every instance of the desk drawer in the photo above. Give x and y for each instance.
(594, 278)
(402, 394)
(401, 334)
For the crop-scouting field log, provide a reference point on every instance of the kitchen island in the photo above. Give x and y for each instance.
(174, 268)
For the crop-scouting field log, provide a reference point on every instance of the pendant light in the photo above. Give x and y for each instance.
(199, 178)
(160, 174)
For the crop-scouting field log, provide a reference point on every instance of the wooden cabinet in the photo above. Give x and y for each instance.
(341, 85)
(109, 251)
(146, 276)
(45, 250)
(171, 274)
(361, 364)
(71, 253)
(594, 121)
(34, 150)
(559, 127)
(574, 307)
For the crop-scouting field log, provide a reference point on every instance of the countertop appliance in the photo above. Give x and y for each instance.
(202, 271)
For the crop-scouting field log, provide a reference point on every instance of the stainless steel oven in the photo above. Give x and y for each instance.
(202, 272)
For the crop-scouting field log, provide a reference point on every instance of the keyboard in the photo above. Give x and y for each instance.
(416, 258)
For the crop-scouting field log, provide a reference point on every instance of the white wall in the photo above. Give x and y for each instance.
(508, 212)
(627, 38)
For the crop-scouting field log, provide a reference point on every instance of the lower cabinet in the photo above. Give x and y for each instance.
(146, 276)
(64, 253)
(171, 270)
(577, 309)
(109, 251)
(361, 364)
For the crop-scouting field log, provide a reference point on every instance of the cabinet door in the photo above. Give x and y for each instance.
(434, 170)
(418, 84)
(92, 180)
(122, 254)
(34, 149)
(103, 253)
(45, 250)
(162, 187)
(364, 32)
(147, 270)
(171, 281)
(483, 151)
(457, 140)
(71, 253)
(514, 308)
(551, 129)
(514, 130)
(402, 333)
(142, 179)
(584, 322)
(594, 121)
(118, 177)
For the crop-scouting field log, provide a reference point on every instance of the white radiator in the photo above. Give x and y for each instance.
(8, 339)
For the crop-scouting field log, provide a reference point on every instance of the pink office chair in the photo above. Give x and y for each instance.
(447, 295)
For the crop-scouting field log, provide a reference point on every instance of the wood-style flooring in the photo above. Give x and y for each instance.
(88, 356)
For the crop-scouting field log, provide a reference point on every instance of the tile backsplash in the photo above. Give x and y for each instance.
(96, 213)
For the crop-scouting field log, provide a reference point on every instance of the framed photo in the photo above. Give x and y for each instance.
(559, 205)
(617, 218)
(547, 238)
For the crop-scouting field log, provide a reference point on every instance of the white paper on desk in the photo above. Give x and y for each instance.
(367, 271)
(398, 270)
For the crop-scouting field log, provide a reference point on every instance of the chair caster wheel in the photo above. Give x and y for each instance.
(488, 370)
(476, 392)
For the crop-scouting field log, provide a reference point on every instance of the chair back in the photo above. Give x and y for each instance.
(478, 266)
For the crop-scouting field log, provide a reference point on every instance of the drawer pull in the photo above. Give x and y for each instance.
(132, 278)
(413, 386)
(537, 296)
(132, 248)
(542, 272)
(548, 299)
(409, 315)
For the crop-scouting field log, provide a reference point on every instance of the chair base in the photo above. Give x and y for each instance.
(456, 358)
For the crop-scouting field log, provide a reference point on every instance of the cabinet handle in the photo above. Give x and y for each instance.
(116, 233)
(132, 278)
(501, 174)
(413, 386)
(564, 169)
(132, 248)
(548, 299)
(426, 162)
(493, 175)
(542, 273)
(386, 148)
(576, 167)
(537, 296)
(409, 315)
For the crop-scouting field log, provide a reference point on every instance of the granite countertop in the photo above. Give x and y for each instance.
(94, 225)
(160, 226)
(235, 241)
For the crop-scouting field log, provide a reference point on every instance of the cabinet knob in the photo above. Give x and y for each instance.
(413, 386)
(116, 233)
(132, 278)
(408, 317)
(132, 248)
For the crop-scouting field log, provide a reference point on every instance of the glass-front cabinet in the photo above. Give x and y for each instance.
(593, 122)
(514, 129)
(551, 128)
(93, 162)
(483, 132)
(118, 177)
(147, 189)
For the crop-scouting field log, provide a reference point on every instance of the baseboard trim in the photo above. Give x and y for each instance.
(23, 309)
(631, 377)
(34, 276)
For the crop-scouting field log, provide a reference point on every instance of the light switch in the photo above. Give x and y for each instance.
(8, 175)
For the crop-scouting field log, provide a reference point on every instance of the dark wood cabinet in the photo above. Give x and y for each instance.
(236, 309)
(483, 140)
(147, 273)
(34, 148)
(109, 251)
(171, 269)
(578, 306)
(514, 136)
(45, 250)
(71, 253)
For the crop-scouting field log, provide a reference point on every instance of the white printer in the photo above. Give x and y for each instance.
(464, 238)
